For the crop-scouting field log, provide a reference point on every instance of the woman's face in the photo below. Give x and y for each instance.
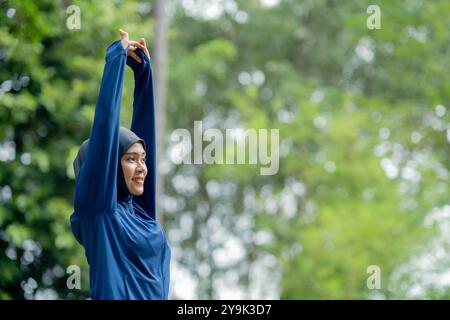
(134, 168)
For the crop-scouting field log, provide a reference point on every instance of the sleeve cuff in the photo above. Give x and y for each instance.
(115, 49)
(136, 66)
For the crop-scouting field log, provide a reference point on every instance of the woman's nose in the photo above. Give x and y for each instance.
(140, 168)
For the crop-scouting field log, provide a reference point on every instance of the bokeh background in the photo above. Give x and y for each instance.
(364, 143)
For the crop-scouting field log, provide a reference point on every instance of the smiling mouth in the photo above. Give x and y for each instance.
(139, 180)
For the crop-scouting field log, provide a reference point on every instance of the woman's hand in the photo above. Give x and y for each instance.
(124, 38)
(133, 46)
(141, 45)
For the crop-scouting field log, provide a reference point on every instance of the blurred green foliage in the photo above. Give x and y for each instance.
(364, 143)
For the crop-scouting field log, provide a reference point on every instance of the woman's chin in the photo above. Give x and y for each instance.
(137, 191)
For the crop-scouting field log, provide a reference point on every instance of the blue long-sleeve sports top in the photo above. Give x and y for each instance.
(126, 248)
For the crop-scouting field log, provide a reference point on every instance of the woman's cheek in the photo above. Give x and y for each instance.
(129, 168)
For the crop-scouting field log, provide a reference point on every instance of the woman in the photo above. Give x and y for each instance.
(114, 210)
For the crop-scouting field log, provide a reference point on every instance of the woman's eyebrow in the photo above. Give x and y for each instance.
(136, 153)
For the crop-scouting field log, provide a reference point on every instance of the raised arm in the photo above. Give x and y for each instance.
(143, 123)
(96, 184)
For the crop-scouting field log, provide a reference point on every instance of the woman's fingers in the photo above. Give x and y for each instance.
(131, 52)
(133, 46)
(141, 45)
(124, 38)
(142, 41)
(137, 44)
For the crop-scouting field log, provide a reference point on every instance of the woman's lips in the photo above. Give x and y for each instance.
(139, 180)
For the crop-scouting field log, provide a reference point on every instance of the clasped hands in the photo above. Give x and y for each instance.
(133, 46)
